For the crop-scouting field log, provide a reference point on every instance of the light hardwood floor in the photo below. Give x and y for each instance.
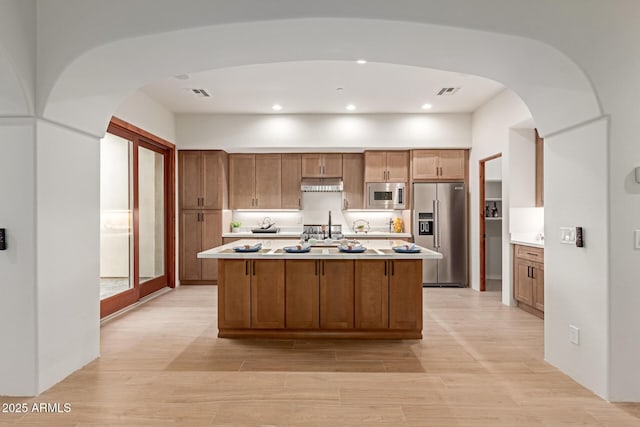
(480, 364)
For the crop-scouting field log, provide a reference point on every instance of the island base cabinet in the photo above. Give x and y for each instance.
(405, 298)
(302, 294)
(336, 294)
(267, 294)
(234, 293)
(372, 294)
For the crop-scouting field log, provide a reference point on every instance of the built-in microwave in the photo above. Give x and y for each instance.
(386, 195)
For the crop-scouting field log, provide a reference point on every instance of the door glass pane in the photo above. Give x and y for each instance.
(116, 238)
(151, 213)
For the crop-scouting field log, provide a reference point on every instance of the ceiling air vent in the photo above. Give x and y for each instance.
(200, 93)
(448, 91)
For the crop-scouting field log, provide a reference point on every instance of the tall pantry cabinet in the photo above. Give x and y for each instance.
(202, 181)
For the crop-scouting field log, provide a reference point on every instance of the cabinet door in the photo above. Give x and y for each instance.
(405, 294)
(190, 244)
(398, 166)
(267, 294)
(268, 181)
(371, 294)
(353, 181)
(451, 164)
(302, 281)
(234, 293)
(332, 165)
(538, 286)
(291, 177)
(211, 237)
(425, 164)
(336, 294)
(522, 281)
(241, 181)
(211, 182)
(375, 166)
(190, 179)
(312, 165)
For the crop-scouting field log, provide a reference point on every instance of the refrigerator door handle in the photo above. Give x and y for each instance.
(436, 223)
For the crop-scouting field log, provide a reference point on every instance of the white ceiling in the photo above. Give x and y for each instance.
(310, 87)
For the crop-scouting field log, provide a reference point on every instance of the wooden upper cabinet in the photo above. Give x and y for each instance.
(291, 178)
(322, 165)
(353, 181)
(242, 181)
(268, 181)
(386, 166)
(443, 165)
(203, 179)
(254, 181)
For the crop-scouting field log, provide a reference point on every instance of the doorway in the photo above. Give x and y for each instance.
(136, 216)
(491, 209)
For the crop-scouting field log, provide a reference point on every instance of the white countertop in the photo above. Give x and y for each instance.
(294, 234)
(528, 242)
(378, 249)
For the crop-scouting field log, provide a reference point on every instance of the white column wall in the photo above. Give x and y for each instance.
(68, 297)
(18, 373)
(576, 291)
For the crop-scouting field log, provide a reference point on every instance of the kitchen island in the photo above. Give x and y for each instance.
(325, 293)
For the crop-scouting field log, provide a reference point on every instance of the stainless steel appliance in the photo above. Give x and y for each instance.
(386, 195)
(440, 224)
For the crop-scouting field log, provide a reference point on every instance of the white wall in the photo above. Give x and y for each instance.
(18, 375)
(68, 271)
(492, 133)
(144, 112)
(575, 288)
(308, 132)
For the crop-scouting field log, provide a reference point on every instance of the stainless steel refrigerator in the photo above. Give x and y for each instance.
(440, 224)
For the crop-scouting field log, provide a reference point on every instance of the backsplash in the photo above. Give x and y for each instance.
(526, 223)
(316, 207)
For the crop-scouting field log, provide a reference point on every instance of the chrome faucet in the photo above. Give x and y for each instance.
(329, 224)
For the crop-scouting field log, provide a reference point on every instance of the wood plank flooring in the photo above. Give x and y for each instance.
(480, 364)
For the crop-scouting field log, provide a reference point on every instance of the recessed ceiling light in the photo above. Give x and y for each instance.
(182, 76)
(361, 61)
(350, 107)
(277, 107)
(426, 106)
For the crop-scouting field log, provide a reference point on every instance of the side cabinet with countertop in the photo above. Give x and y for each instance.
(528, 278)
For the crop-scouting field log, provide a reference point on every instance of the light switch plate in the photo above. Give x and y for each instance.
(636, 239)
(574, 335)
(568, 235)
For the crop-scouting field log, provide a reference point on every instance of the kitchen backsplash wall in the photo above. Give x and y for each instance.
(527, 223)
(315, 210)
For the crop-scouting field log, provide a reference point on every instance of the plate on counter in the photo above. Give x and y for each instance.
(406, 250)
(254, 248)
(296, 250)
(353, 250)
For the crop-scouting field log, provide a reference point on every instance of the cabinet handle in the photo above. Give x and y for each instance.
(316, 264)
(257, 204)
(393, 267)
(246, 268)
(299, 203)
(532, 274)
(532, 254)
(253, 267)
(322, 267)
(385, 268)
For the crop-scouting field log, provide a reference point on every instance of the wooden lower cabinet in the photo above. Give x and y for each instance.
(320, 298)
(302, 293)
(199, 231)
(336, 294)
(528, 279)
(405, 298)
(234, 293)
(372, 294)
(267, 294)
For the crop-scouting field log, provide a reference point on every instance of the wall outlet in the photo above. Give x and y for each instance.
(568, 235)
(574, 335)
(636, 239)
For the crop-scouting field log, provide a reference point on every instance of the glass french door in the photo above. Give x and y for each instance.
(136, 231)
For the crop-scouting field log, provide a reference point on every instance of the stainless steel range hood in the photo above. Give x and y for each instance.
(321, 185)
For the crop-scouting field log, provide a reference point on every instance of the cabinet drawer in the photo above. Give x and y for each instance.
(530, 253)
